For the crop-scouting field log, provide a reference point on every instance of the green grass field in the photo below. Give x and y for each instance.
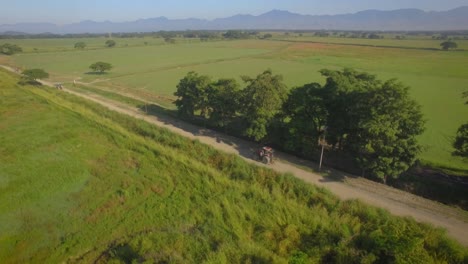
(437, 78)
(79, 183)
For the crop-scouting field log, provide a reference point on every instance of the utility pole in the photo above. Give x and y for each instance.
(322, 142)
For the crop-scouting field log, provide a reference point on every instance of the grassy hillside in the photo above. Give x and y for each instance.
(80, 183)
(437, 78)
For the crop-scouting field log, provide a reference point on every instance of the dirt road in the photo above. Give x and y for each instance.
(347, 187)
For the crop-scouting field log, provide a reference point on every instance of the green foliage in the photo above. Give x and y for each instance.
(10, 49)
(80, 45)
(343, 90)
(376, 122)
(461, 139)
(385, 142)
(101, 66)
(461, 142)
(192, 94)
(34, 74)
(139, 193)
(446, 45)
(110, 43)
(261, 101)
(223, 101)
(305, 116)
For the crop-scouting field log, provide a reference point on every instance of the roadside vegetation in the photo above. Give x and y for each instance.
(164, 198)
(353, 113)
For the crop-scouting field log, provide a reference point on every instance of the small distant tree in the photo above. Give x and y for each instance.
(235, 34)
(446, 45)
(267, 36)
(30, 76)
(80, 45)
(169, 40)
(110, 43)
(100, 66)
(10, 49)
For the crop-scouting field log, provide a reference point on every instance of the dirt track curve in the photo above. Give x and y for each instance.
(347, 187)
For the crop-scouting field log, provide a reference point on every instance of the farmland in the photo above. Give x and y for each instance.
(80, 183)
(437, 79)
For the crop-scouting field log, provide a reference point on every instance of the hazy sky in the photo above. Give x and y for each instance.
(66, 11)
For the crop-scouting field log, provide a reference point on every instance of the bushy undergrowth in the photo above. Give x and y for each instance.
(148, 195)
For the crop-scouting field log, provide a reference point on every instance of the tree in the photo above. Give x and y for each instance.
(223, 101)
(110, 43)
(446, 45)
(305, 116)
(374, 121)
(385, 139)
(461, 142)
(461, 139)
(192, 94)
(80, 45)
(169, 40)
(101, 66)
(261, 100)
(30, 76)
(341, 93)
(10, 49)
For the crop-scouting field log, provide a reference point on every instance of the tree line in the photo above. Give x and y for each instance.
(375, 122)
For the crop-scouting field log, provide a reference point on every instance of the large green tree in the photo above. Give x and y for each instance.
(192, 94)
(100, 66)
(10, 49)
(374, 121)
(385, 139)
(341, 95)
(261, 100)
(305, 116)
(223, 101)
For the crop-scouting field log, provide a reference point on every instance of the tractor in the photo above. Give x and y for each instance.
(264, 154)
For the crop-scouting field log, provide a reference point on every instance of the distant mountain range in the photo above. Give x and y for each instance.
(402, 19)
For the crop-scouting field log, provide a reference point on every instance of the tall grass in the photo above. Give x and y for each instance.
(80, 183)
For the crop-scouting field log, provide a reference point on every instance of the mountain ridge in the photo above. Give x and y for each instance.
(400, 19)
